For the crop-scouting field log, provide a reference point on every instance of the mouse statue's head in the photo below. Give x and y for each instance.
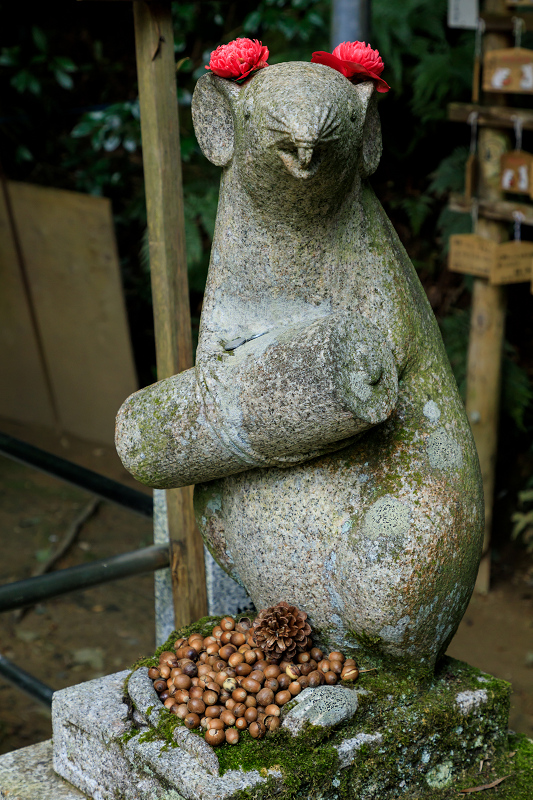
(295, 133)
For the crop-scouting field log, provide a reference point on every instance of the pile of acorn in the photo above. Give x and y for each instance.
(225, 684)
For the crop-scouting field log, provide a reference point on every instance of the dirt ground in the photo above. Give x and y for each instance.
(104, 629)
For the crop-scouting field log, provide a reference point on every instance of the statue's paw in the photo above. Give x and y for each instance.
(367, 379)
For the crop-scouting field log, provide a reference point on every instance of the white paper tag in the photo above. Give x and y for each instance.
(463, 14)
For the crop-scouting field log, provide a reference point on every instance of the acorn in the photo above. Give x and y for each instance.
(227, 624)
(232, 736)
(230, 684)
(283, 697)
(257, 730)
(192, 721)
(265, 697)
(241, 723)
(227, 718)
(272, 722)
(349, 674)
(336, 656)
(314, 679)
(215, 736)
(293, 672)
(284, 681)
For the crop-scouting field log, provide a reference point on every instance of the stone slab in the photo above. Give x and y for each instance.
(89, 722)
(27, 774)
(419, 737)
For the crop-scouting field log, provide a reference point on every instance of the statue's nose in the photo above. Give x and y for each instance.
(305, 154)
(299, 157)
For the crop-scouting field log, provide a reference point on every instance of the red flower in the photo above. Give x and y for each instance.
(357, 61)
(238, 59)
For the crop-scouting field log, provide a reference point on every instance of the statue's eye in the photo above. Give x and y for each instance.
(353, 115)
(247, 113)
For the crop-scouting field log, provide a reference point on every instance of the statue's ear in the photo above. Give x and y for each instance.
(371, 147)
(213, 119)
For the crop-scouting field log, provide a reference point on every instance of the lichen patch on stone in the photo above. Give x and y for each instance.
(387, 517)
(443, 451)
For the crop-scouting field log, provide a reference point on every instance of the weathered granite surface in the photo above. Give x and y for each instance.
(366, 741)
(338, 467)
(27, 774)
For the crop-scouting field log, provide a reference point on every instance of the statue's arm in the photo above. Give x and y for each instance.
(277, 400)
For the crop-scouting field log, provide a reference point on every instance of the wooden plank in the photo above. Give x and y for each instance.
(498, 210)
(24, 392)
(503, 22)
(491, 116)
(156, 71)
(487, 330)
(69, 250)
(487, 324)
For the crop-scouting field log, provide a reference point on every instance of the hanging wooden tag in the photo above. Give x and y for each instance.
(519, 3)
(509, 70)
(471, 176)
(513, 263)
(516, 172)
(470, 254)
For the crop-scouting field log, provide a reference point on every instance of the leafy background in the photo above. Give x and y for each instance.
(70, 118)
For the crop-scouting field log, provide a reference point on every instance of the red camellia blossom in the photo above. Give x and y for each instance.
(357, 61)
(238, 59)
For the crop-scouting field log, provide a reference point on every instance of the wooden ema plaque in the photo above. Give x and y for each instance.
(470, 254)
(516, 172)
(510, 262)
(509, 70)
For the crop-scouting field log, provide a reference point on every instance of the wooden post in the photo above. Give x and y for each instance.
(156, 72)
(487, 325)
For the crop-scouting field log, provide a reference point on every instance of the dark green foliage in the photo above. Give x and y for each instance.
(517, 392)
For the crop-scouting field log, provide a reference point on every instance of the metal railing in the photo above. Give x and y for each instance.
(28, 592)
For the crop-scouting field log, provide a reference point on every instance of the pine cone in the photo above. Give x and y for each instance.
(281, 631)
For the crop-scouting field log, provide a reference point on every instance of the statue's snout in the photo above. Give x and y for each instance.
(299, 157)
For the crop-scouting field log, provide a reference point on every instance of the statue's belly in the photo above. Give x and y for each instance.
(379, 543)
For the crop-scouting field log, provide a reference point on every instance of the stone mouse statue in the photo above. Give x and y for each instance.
(334, 463)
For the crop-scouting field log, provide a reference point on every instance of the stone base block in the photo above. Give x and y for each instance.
(386, 738)
(27, 774)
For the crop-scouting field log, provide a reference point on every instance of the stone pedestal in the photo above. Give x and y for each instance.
(382, 739)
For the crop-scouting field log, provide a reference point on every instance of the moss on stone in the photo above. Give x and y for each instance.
(422, 729)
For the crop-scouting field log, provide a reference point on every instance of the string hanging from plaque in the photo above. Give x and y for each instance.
(471, 168)
(517, 165)
(513, 260)
(509, 69)
(478, 55)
